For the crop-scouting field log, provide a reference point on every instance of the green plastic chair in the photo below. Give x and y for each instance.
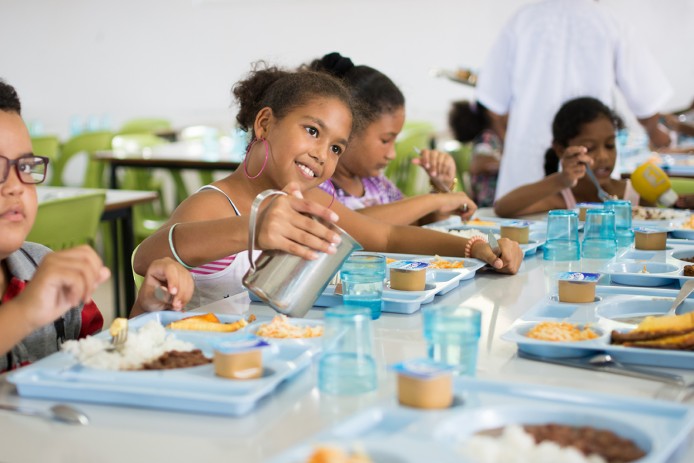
(139, 279)
(46, 145)
(146, 219)
(49, 146)
(67, 222)
(88, 143)
(410, 178)
(463, 158)
(144, 125)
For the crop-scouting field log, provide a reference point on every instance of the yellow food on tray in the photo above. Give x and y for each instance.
(443, 264)
(560, 331)
(328, 454)
(689, 224)
(480, 223)
(208, 322)
(281, 328)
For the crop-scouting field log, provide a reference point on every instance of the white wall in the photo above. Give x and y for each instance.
(179, 58)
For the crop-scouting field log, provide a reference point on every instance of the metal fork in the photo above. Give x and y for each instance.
(119, 334)
(602, 194)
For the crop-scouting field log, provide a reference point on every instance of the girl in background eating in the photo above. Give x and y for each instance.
(358, 181)
(471, 122)
(300, 123)
(583, 133)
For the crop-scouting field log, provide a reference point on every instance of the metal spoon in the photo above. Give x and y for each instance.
(606, 361)
(684, 292)
(61, 412)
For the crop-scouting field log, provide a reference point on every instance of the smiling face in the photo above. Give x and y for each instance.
(371, 150)
(304, 145)
(598, 137)
(18, 202)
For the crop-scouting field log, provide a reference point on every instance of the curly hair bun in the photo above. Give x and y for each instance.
(337, 64)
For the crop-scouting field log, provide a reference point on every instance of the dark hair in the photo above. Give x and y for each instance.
(569, 121)
(373, 92)
(467, 120)
(282, 91)
(9, 100)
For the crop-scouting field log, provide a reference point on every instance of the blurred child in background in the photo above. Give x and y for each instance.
(471, 122)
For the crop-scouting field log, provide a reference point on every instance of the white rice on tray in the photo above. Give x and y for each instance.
(142, 346)
(468, 233)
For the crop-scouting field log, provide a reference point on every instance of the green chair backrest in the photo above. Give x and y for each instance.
(463, 157)
(49, 146)
(46, 145)
(139, 279)
(682, 186)
(88, 143)
(410, 178)
(145, 125)
(67, 222)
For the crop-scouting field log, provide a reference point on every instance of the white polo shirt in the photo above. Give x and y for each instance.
(554, 51)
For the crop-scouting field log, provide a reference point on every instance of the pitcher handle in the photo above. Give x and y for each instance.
(252, 221)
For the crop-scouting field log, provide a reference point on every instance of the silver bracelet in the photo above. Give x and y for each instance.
(173, 250)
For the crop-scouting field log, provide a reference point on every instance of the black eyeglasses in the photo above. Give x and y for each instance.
(30, 169)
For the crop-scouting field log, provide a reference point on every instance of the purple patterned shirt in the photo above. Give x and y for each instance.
(377, 190)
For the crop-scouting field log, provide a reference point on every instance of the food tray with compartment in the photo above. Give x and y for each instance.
(606, 313)
(634, 267)
(60, 377)
(438, 283)
(391, 433)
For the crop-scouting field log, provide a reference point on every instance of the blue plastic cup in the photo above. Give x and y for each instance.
(347, 366)
(452, 335)
(599, 235)
(363, 275)
(622, 221)
(562, 236)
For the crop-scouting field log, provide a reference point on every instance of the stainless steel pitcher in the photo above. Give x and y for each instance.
(287, 282)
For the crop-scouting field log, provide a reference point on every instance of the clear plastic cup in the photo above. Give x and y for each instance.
(599, 235)
(347, 365)
(363, 275)
(622, 211)
(452, 335)
(562, 236)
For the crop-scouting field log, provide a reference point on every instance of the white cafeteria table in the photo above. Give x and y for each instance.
(297, 410)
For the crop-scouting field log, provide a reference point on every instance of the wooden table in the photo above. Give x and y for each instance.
(118, 210)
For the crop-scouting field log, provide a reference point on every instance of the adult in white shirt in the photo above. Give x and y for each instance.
(553, 51)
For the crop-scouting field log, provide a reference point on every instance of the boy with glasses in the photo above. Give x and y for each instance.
(45, 297)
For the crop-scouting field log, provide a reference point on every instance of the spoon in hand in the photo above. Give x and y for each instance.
(60, 412)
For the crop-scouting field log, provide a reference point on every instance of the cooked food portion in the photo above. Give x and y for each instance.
(589, 440)
(280, 327)
(655, 213)
(551, 442)
(209, 322)
(688, 270)
(467, 233)
(442, 264)
(142, 346)
(480, 223)
(660, 332)
(330, 454)
(560, 331)
(689, 224)
(177, 359)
